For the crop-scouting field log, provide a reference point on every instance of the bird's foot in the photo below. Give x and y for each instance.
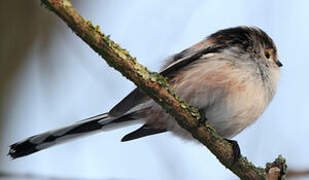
(236, 150)
(203, 118)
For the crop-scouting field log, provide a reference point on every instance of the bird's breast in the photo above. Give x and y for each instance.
(231, 97)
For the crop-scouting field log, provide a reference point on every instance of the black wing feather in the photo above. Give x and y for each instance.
(143, 131)
(134, 98)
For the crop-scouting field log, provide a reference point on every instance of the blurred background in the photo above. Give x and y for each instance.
(50, 78)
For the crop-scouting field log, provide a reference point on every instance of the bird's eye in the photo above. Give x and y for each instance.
(267, 53)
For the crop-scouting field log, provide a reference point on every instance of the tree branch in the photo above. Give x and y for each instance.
(293, 173)
(155, 86)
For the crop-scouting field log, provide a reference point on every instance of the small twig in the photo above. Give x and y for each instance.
(155, 86)
(277, 169)
(297, 173)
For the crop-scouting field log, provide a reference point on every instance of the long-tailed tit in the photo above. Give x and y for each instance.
(231, 77)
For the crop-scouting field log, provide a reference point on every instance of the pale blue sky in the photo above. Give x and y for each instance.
(70, 82)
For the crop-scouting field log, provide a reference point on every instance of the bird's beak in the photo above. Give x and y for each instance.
(279, 63)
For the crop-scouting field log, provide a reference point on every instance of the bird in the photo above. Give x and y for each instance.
(230, 77)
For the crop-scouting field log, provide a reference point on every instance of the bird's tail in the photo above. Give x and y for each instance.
(81, 128)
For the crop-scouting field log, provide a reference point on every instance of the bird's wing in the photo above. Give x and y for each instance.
(175, 63)
(131, 100)
(143, 131)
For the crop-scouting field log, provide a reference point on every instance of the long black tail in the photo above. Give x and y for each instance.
(81, 128)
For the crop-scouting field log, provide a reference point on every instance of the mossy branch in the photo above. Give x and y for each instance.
(157, 87)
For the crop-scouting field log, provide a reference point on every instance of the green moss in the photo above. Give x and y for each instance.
(89, 23)
(183, 105)
(250, 166)
(66, 3)
(97, 28)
